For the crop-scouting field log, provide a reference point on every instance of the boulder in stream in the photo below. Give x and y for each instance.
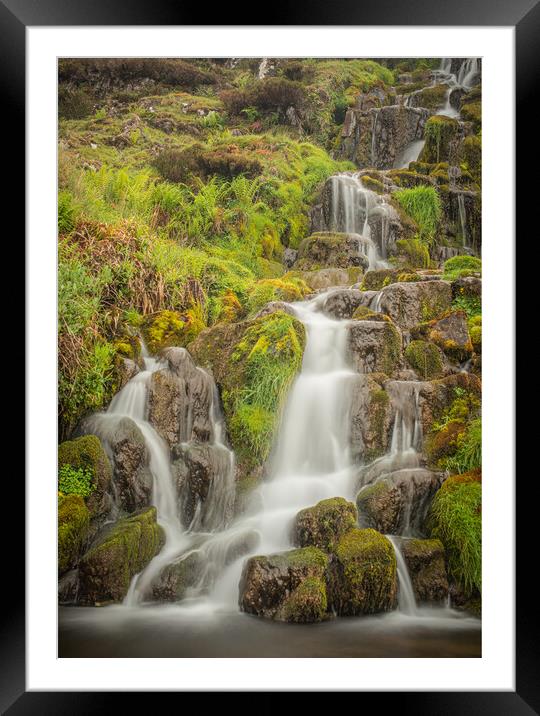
(398, 502)
(73, 526)
(324, 524)
(87, 453)
(450, 333)
(363, 574)
(342, 303)
(329, 249)
(425, 560)
(289, 586)
(122, 551)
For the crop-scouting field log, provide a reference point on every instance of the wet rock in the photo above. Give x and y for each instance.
(180, 399)
(324, 524)
(371, 418)
(197, 468)
(329, 249)
(289, 586)
(375, 347)
(106, 570)
(408, 304)
(126, 370)
(450, 333)
(375, 136)
(176, 579)
(426, 359)
(73, 527)
(398, 503)
(425, 561)
(87, 453)
(342, 304)
(362, 574)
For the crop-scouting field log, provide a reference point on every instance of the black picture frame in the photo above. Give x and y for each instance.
(524, 16)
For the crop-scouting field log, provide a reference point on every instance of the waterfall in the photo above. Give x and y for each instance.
(410, 154)
(462, 217)
(312, 458)
(355, 209)
(406, 598)
(468, 72)
(466, 76)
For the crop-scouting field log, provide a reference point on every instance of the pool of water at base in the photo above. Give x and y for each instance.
(190, 631)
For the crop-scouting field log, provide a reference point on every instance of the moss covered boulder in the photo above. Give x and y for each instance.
(86, 453)
(425, 560)
(324, 524)
(106, 570)
(289, 586)
(410, 303)
(326, 277)
(327, 249)
(426, 359)
(375, 279)
(450, 332)
(126, 445)
(73, 526)
(363, 574)
(171, 328)
(363, 313)
(398, 503)
(375, 347)
(254, 363)
(438, 396)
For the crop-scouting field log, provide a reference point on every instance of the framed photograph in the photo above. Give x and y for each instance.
(270, 282)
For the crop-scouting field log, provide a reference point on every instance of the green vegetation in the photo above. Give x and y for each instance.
(75, 481)
(438, 133)
(426, 358)
(423, 204)
(270, 354)
(468, 455)
(415, 251)
(456, 520)
(73, 522)
(461, 266)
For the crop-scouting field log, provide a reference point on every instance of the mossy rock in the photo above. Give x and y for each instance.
(289, 586)
(442, 444)
(425, 560)
(470, 153)
(171, 328)
(450, 333)
(254, 363)
(363, 574)
(324, 524)
(363, 313)
(408, 179)
(73, 526)
(87, 453)
(457, 521)
(472, 112)
(439, 132)
(426, 358)
(106, 570)
(327, 249)
(375, 346)
(376, 279)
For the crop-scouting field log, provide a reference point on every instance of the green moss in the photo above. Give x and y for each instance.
(423, 204)
(455, 519)
(365, 577)
(85, 456)
(471, 155)
(439, 131)
(391, 349)
(415, 252)
(373, 184)
(460, 266)
(472, 112)
(306, 604)
(73, 523)
(170, 328)
(108, 567)
(426, 358)
(374, 280)
(278, 289)
(363, 313)
(322, 525)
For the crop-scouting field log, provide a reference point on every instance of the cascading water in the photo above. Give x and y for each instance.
(406, 598)
(465, 79)
(354, 210)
